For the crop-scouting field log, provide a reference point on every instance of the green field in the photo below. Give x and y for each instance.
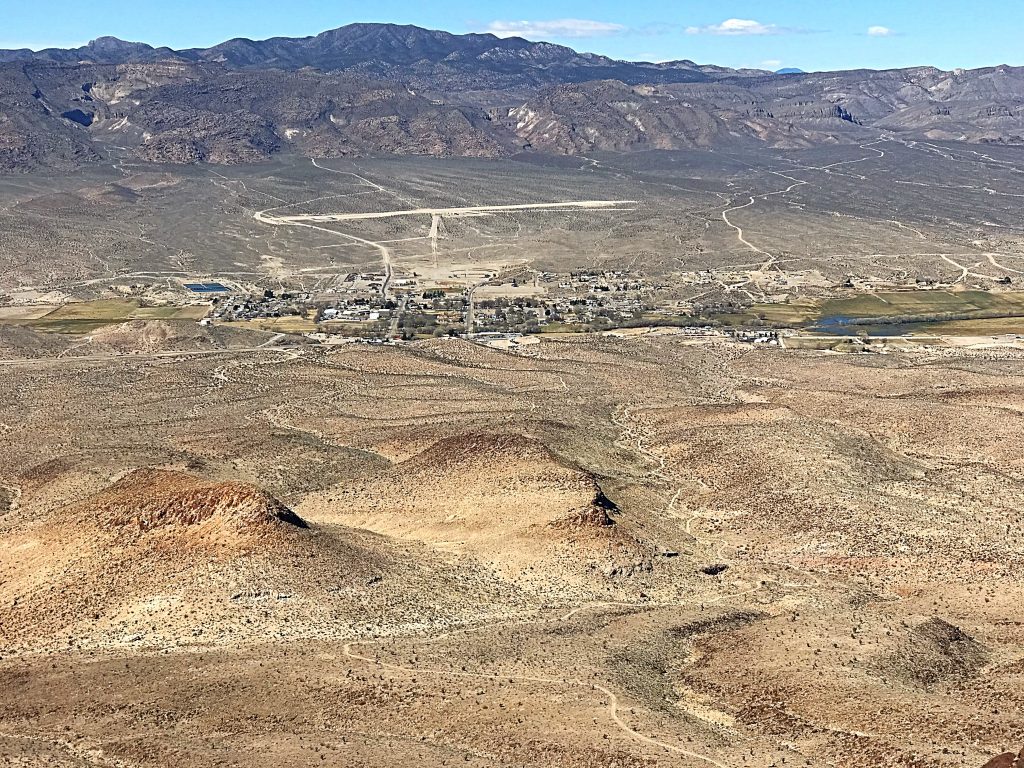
(951, 312)
(924, 304)
(86, 316)
(286, 324)
(992, 326)
(790, 313)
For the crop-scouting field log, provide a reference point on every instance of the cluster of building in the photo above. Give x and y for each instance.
(269, 304)
(769, 337)
(503, 306)
(355, 313)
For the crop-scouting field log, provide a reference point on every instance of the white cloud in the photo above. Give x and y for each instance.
(736, 27)
(554, 28)
(771, 64)
(878, 31)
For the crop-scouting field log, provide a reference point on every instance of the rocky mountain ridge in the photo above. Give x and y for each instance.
(369, 89)
(388, 50)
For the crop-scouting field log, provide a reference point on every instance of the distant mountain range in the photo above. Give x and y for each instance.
(382, 88)
(428, 58)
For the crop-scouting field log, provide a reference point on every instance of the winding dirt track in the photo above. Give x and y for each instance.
(796, 183)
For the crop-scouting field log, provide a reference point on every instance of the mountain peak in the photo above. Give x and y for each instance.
(114, 44)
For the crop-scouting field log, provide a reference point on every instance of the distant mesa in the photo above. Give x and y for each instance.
(789, 71)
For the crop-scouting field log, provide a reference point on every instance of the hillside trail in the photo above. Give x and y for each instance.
(638, 441)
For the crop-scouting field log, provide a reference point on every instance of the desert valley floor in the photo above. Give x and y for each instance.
(388, 397)
(612, 551)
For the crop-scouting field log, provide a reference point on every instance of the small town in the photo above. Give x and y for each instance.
(511, 304)
(505, 308)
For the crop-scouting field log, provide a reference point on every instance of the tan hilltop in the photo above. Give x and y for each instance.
(149, 501)
(165, 557)
(502, 497)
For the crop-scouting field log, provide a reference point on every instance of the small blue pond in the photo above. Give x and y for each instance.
(841, 325)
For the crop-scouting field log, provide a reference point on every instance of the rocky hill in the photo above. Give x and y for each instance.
(163, 557)
(159, 500)
(479, 493)
(369, 89)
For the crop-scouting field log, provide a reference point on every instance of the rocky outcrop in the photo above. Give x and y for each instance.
(147, 500)
(932, 652)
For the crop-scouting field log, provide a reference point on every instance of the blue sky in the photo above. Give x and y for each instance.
(827, 34)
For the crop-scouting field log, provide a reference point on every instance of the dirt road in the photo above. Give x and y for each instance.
(312, 220)
(469, 210)
(29, 362)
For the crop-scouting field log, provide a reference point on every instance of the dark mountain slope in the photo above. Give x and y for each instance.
(32, 129)
(59, 116)
(427, 58)
(384, 88)
(242, 116)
